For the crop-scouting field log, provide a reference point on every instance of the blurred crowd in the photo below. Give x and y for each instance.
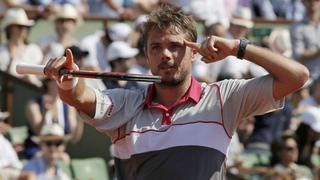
(283, 144)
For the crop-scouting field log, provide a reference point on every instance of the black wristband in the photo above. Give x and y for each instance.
(242, 48)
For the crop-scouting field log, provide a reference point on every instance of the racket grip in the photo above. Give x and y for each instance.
(30, 69)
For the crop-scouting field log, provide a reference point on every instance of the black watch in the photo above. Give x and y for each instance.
(242, 47)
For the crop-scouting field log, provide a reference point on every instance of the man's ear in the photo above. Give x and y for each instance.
(194, 55)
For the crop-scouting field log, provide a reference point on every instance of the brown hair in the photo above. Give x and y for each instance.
(170, 18)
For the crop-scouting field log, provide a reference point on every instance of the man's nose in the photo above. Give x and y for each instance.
(165, 54)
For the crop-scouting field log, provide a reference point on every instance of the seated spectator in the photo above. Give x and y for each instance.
(49, 109)
(97, 44)
(66, 20)
(306, 48)
(308, 133)
(78, 57)
(10, 165)
(16, 26)
(207, 11)
(120, 57)
(141, 66)
(285, 153)
(52, 142)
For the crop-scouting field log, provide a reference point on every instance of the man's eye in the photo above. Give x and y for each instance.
(155, 47)
(175, 46)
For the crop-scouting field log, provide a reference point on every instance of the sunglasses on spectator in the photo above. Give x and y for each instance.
(53, 143)
(289, 148)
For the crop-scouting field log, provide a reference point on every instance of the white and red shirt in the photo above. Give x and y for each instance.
(186, 141)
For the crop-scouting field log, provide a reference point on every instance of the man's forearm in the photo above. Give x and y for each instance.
(288, 75)
(81, 97)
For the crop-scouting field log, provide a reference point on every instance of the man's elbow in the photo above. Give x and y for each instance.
(301, 77)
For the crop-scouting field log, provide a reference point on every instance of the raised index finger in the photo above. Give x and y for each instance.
(193, 45)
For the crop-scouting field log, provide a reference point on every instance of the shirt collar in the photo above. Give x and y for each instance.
(193, 93)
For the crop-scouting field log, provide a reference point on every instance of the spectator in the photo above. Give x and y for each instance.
(308, 133)
(268, 127)
(314, 99)
(10, 165)
(305, 38)
(120, 57)
(279, 41)
(285, 153)
(137, 30)
(141, 66)
(207, 11)
(296, 100)
(49, 109)
(16, 26)
(240, 25)
(52, 142)
(78, 56)
(97, 45)
(66, 20)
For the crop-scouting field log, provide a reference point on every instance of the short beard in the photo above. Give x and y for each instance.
(171, 82)
(174, 81)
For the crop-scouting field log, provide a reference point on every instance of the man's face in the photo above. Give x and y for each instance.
(65, 26)
(52, 149)
(168, 57)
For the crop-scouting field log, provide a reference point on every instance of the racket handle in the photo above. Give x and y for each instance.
(30, 69)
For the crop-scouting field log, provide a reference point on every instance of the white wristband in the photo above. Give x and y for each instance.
(70, 83)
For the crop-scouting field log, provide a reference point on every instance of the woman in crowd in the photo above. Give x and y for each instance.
(17, 49)
(49, 109)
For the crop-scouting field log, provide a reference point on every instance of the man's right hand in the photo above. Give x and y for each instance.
(214, 48)
(55, 65)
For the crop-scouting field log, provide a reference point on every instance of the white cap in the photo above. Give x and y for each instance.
(51, 132)
(120, 49)
(311, 117)
(120, 32)
(140, 20)
(16, 16)
(242, 17)
(66, 11)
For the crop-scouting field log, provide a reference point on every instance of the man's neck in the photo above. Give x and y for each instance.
(168, 95)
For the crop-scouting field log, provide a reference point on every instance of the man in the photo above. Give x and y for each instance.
(10, 165)
(305, 36)
(97, 44)
(120, 57)
(179, 128)
(66, 20)
(47, 164)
